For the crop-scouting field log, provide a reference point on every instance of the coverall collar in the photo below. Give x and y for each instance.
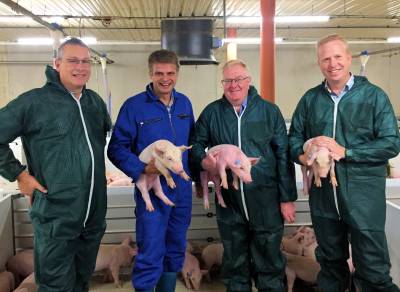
(153, 97)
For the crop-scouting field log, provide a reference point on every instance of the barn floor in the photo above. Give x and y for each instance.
(215, 286)
(180, 287)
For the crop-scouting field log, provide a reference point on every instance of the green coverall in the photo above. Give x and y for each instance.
(69, 220)
(251, 233)
(366, 126)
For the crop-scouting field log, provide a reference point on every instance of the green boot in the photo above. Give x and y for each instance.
(167, 282)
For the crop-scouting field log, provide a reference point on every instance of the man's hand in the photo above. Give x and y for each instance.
(303, 159)
(337, 150)
(27, 184)
(151, 168)
(288, 210)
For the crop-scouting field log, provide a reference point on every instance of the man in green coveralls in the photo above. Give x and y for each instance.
(251, 227)
(63, 127)
(355, 120)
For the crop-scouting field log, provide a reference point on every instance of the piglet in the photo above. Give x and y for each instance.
(309, 234)
(218, 159)
(21, 265)
(167, 157)
(293, 244)
(321, 161)
(301, 267)
(191, 272)
(212, 256)
(7, 283)
(111, 257)
(28, 285)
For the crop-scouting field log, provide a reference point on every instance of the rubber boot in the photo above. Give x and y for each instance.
(148, 290)
(167, 282)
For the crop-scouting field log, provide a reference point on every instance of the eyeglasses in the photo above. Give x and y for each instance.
(238, 80)
(75, 62)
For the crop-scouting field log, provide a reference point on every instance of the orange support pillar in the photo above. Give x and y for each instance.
(267, 50)
(231, 49)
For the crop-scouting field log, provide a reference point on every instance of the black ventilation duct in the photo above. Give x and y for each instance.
(190, 39)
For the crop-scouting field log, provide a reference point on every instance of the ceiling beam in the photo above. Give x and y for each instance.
(20, 9)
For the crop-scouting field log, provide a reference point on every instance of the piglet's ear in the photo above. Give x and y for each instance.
(311, 159)
(307, 144)
(334, 156)
(254, 160)
(160, 148)
(183, 148)
(127, 240)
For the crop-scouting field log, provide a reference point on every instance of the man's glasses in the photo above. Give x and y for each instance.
(238, 80)
(75, 62)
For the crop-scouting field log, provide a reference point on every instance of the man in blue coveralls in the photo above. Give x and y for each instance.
(157, 113)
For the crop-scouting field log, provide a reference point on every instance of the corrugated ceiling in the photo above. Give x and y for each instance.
(139, 20)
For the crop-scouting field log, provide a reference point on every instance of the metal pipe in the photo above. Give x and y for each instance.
(18, 8)
(119, 17)
(224, 11)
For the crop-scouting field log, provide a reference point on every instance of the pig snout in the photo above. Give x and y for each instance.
(246, 178)
(177, 168)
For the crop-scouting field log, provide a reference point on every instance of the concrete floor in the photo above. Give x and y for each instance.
(215, 286)
(98, 286)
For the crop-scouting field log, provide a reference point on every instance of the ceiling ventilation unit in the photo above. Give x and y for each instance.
(191, 40)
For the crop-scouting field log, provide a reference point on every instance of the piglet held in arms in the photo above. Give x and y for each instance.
(218, 159)
(167, 157)
(320, 162)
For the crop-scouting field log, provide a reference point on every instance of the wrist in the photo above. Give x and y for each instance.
(22, 175)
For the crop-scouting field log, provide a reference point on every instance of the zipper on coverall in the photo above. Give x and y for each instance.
(240, 146)
(91, 156)
(336, 102)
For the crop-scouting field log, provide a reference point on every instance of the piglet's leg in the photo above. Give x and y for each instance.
(204, 185)
(142, 185)
(333, 175)
(159, 192)
(217, 184)
(305, 180)
(165, 172)
(291, 277)
(235, 182)
(184, 175)
(316, 175)
(222, 175)
(114, 269)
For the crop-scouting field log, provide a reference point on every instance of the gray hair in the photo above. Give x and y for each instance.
(72, 41)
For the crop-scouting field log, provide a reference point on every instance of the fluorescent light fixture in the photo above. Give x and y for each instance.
(49, 41)
(16, 19)
(300, 19)
(247, 41)
(244, 19)
(278, 19)
(89, 40)
(35, 41)
(393, 40)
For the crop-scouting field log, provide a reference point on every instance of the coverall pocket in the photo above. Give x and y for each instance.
(150, 121)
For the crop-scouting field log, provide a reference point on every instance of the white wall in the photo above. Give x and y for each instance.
(296, 71)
